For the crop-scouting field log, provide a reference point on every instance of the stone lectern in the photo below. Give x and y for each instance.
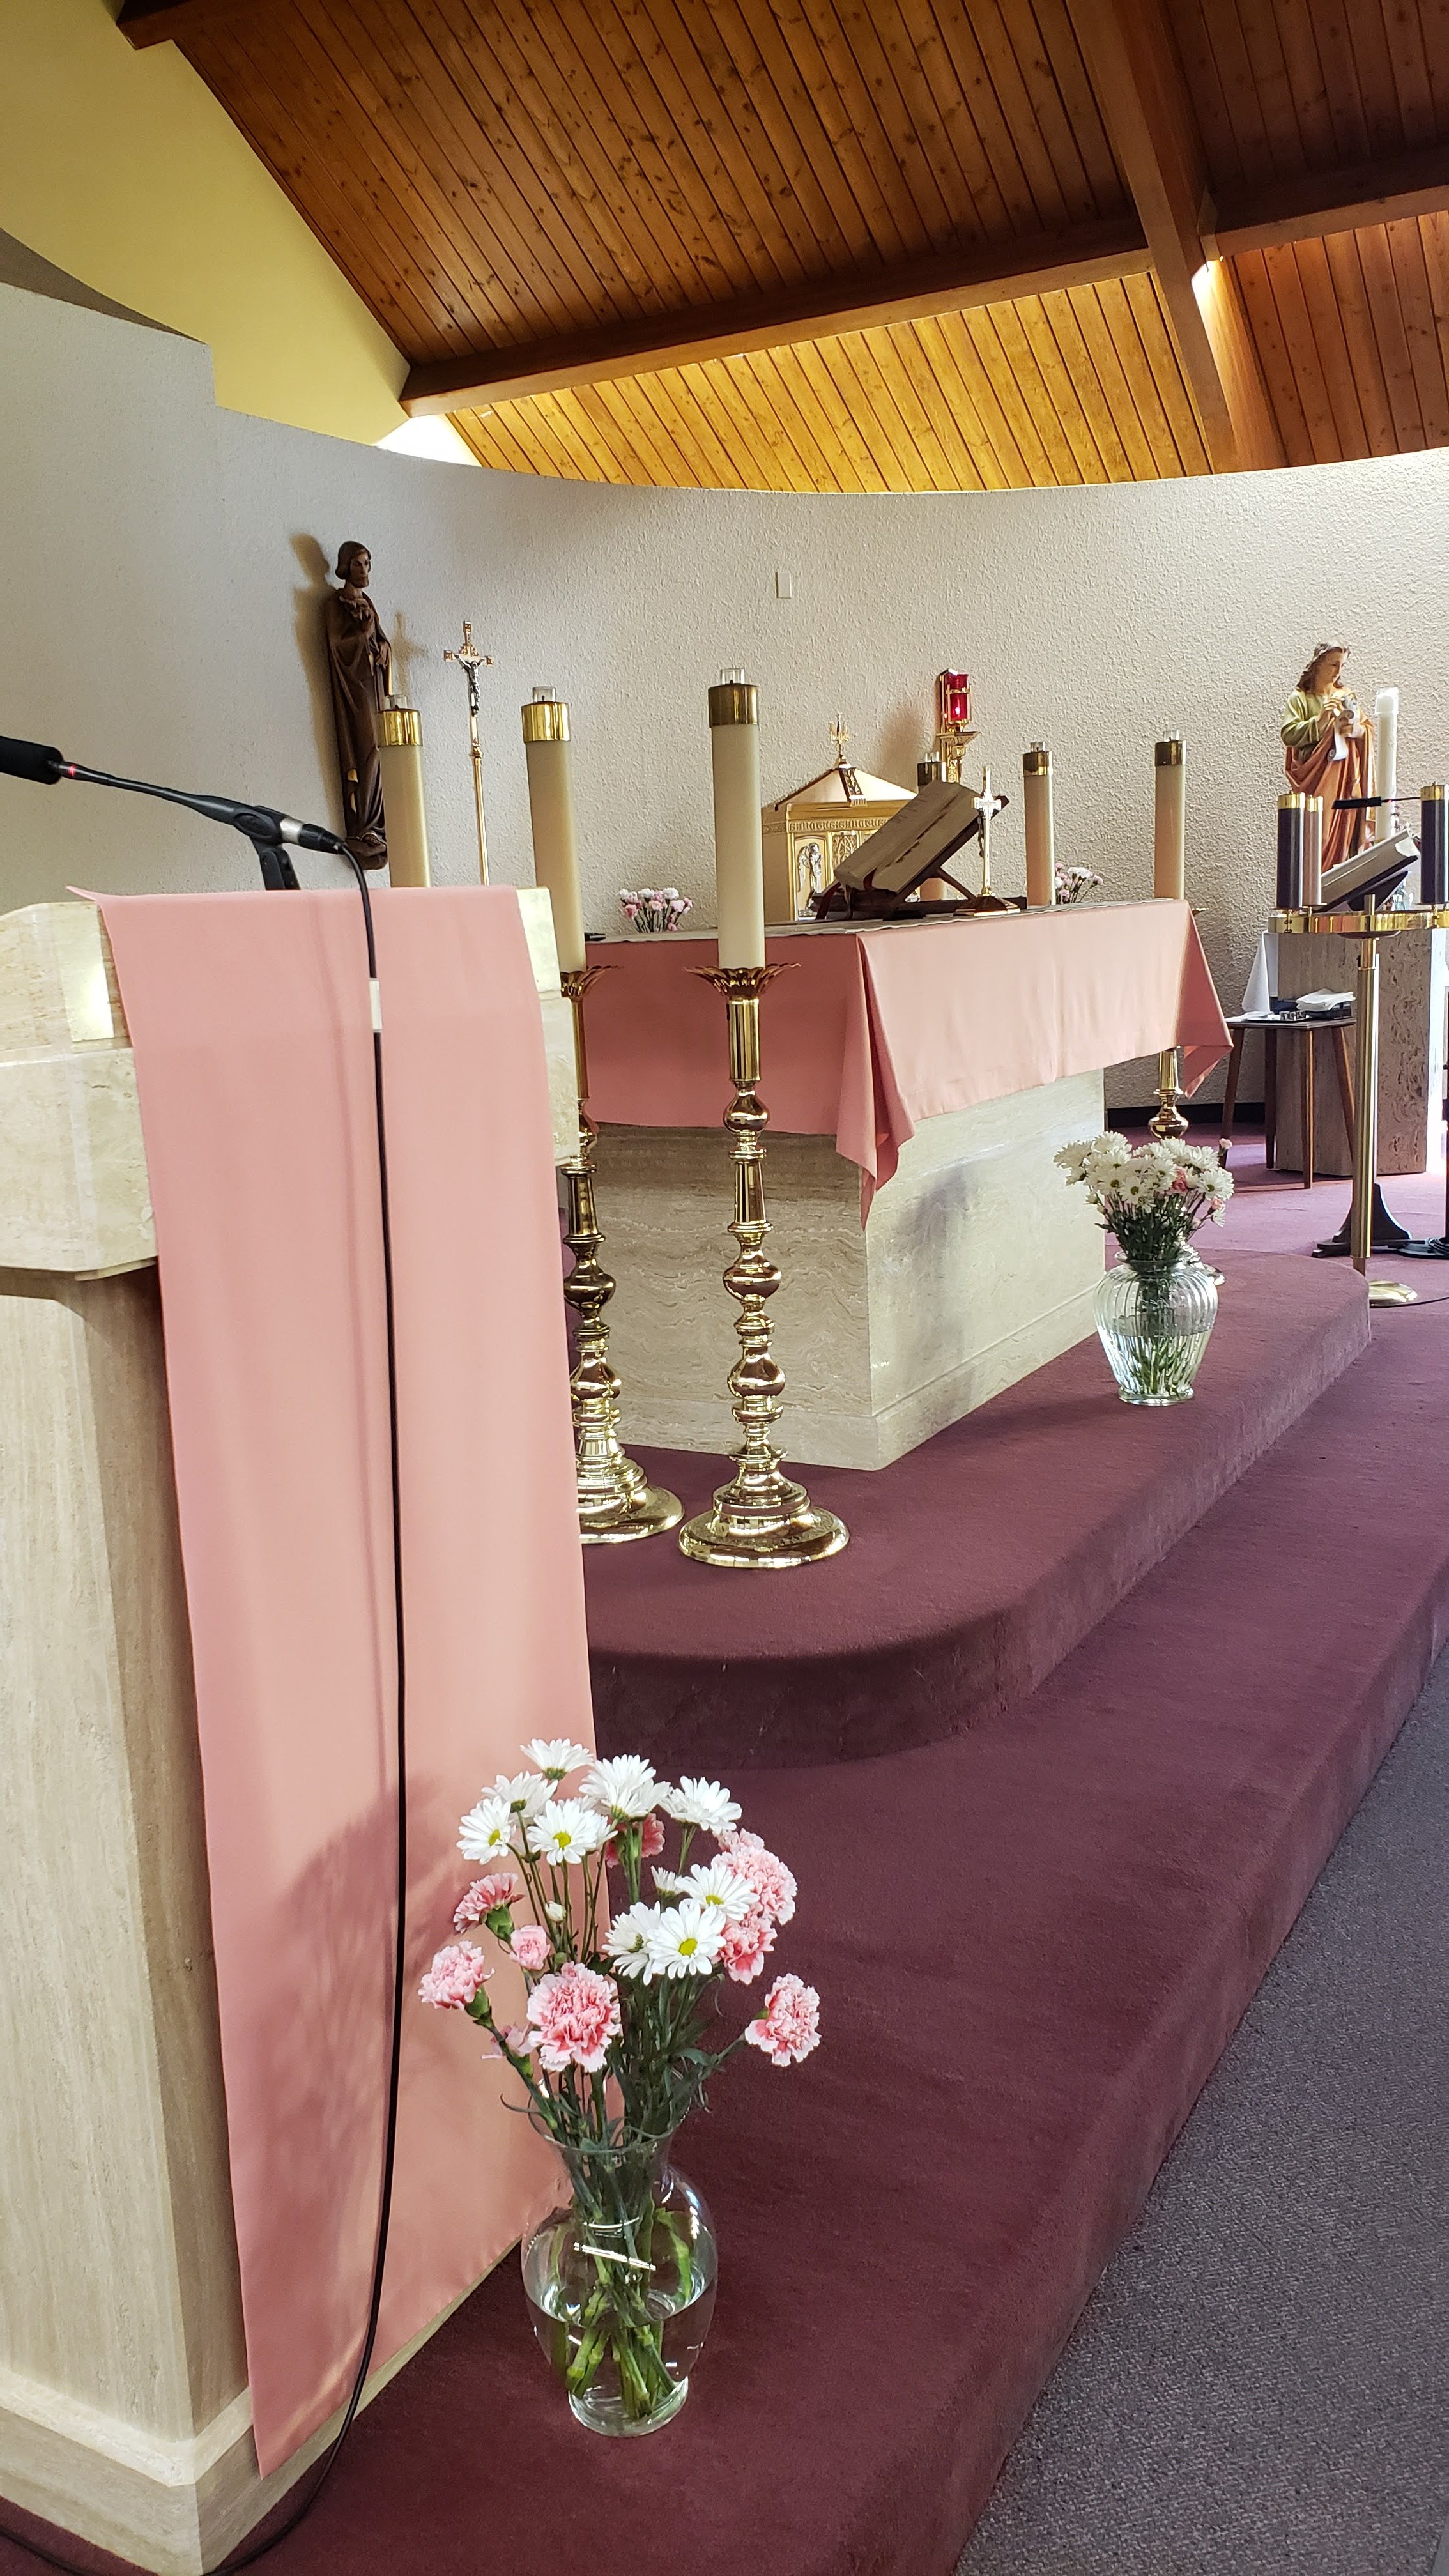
(124, 2409)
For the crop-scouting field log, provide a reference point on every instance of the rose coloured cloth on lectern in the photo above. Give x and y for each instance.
(249, 1017)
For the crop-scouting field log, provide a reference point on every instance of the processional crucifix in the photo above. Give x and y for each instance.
(470, 662)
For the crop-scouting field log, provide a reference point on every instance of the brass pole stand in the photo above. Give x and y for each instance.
(616, 1500)
(1381, 1292)
(1169, 1120)
(760, 1518)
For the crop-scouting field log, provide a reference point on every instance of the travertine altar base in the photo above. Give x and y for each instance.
(1411, 1049)
(977, 1265)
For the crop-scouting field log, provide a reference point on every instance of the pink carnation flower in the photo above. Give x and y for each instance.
(530, 1946)
(572, 2017)
(789, 2026)
(745, 1947)
(772, 1882)
(651, 1841)
(454, 1978)
(499, 1888)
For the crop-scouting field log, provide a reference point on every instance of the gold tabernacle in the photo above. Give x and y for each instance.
(761, 1517)
(616, 1500)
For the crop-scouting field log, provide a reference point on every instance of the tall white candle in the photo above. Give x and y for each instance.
(551, 810)
(739, 865)
(1036, 803)
(400, 767)
(1386, 755)
(1169, 838)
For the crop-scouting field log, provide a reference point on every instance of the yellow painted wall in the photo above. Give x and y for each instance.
(121, 167)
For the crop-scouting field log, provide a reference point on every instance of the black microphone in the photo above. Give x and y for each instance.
(37, 760)
(270, 832)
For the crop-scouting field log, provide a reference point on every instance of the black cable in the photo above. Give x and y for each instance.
(232, 2564)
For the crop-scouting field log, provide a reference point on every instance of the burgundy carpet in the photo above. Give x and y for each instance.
(1031, 1942)
(976, 1563)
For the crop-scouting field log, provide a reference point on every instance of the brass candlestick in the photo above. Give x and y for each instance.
(1169, 1120)
(760, 1517)
(616, 1500)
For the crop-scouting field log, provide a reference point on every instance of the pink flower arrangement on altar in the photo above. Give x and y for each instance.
(653, 908)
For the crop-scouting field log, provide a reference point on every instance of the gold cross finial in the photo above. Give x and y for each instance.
(840, 736)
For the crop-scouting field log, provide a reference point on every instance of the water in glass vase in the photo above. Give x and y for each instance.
(1154, 1322)
(620, 2286)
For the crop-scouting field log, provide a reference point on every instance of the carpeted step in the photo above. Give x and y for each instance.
(978, 1561)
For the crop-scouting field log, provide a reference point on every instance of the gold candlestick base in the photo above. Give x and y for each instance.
(761, 1517)
(1169, 1120)
(616, 1500)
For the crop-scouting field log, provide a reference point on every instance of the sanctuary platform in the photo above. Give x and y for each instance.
(976, 1564)
(1032, 1942)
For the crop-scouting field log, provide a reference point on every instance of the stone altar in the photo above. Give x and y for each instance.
(976, 1266)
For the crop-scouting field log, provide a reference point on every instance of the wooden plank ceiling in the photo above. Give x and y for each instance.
(873, 245)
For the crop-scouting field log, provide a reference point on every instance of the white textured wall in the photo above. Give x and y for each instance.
(165, 561)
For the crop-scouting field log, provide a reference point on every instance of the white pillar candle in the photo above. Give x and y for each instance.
(1313, 852)
(1386, 755)
(739, 866)
(400, 766)
(1169, 840)
(1036, 804)
(547, 751)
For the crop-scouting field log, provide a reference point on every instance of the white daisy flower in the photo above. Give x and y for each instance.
(720, 1888)
(567, 1830)
(669, 1883)
(487, 1830)
(556, 1754)
(684, 1940)
(526, 1793)
(626, 1786)
(627, 1940)
(700, 1802)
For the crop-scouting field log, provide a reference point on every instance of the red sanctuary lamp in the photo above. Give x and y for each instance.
(953, 699)
(953, 722)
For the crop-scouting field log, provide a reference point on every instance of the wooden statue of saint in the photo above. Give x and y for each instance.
(359, 666)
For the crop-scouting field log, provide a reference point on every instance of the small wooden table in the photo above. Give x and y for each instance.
(1275, 1024)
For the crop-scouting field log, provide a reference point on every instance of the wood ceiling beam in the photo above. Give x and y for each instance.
(164, 22)
(951, 281)
(1138, 80)
(1314, 202)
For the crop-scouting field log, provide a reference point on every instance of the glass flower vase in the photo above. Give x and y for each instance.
(1154, 1322)
(620, 2283)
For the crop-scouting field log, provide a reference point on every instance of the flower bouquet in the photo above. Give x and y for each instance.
(1156, 1308)
(622, 2035)
(1070, 884)
(653, 908)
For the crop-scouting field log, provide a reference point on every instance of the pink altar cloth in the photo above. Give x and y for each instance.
(250, 1022)
(886, 1025)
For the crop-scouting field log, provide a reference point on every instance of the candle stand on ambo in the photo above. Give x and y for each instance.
(616, 1500)
(761, 1517)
